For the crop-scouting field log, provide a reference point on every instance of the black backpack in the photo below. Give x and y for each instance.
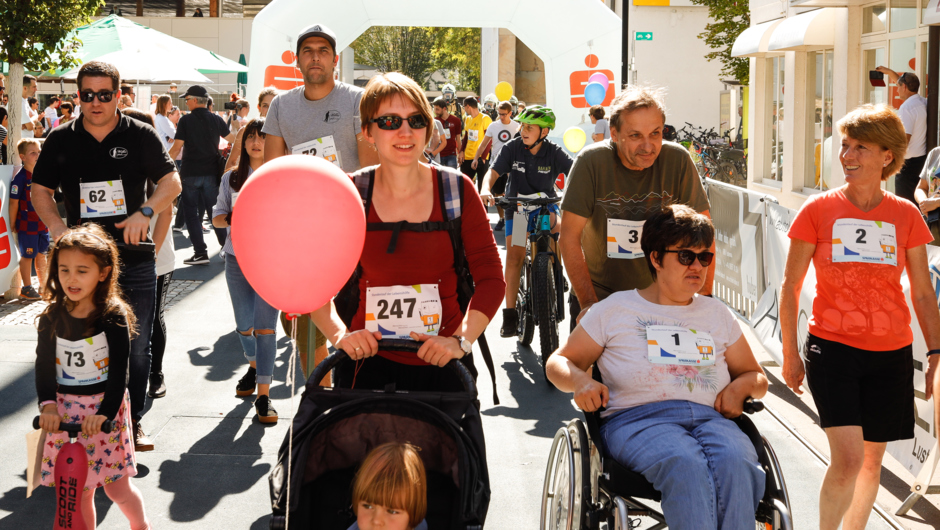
(450, 187)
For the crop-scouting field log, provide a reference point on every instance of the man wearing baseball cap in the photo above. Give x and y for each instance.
(320, 118)
(200, 131)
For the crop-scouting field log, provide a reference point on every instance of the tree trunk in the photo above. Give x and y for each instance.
(14, 108)
(140, 8)
(214, 8)
(181, 8)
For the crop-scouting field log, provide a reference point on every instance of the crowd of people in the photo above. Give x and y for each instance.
(637, 243)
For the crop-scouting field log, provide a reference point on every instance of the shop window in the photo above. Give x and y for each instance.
(901, 59)
(903, 15)
(776, 116)
(819, 138)
(873, 18)
(875, 57)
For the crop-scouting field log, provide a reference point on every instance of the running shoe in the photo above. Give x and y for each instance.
(197, 259)
(178, 229)
(28, 292)
(510, 323)
(246, 385)
(266, 413)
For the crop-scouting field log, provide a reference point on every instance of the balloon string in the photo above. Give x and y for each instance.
(291, 368)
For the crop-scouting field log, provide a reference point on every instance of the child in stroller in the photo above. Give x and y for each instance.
(391, 490)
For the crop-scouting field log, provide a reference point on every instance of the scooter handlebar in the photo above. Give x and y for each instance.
(75, 428)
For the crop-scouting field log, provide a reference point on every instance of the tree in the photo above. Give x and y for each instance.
(731, 18)
(397, 49)
(458, 50)
(23, 25)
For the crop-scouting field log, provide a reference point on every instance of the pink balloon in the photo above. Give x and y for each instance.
(598, 77)
(298, 231)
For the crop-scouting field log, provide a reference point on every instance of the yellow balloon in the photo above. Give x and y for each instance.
(574, 139)
(503, 91)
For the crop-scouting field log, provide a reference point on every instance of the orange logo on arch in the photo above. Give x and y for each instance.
(285, 76)
(579, 80)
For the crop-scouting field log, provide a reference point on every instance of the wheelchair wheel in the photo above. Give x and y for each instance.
(566, 493)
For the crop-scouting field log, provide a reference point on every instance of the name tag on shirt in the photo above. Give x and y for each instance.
(447, 132)
(324, 148)
(102, 199)
(679, 346)
(81, 362)
(623, 239)
(398, 310)
(861, 241)
(473, 135)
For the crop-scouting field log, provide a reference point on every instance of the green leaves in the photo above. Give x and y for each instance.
(26, 23)
(420, 51)
(731, 18)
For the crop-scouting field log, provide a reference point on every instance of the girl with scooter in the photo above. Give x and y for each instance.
(81, 368)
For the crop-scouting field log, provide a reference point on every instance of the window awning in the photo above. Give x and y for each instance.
(813, 30)
(753, 41)
(932, 13)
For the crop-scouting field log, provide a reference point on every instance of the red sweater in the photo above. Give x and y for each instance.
(429, 258)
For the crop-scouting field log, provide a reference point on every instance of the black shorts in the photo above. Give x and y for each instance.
(871, 389)
(499, 187)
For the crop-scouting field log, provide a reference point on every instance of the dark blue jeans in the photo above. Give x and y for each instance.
(198, 190)
(139, 283)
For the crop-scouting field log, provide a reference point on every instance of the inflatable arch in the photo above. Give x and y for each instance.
(575, 38)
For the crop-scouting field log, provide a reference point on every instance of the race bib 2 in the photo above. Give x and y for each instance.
(861, 241)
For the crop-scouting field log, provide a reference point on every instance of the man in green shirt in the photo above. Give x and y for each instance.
(613, 187)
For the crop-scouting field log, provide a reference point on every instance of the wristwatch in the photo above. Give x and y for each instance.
(465, 345)
(147, 211)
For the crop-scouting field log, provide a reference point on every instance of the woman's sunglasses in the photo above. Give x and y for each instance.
(393, 123)
(104, 96)
(687, 257)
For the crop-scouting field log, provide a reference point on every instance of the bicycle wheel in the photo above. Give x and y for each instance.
(524, 306)
(545, 311)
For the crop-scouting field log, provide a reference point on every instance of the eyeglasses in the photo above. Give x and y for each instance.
(393, 123)
(174, 108)
(504, 114)
(686, 257)
(104, 96)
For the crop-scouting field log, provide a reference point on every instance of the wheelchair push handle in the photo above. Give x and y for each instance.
(74, 429)
(397, 345)
(752, 405)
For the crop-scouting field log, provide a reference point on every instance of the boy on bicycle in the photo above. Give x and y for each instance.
(533, 163)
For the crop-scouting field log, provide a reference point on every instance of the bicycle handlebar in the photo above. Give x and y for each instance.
(75, 428)
(535, 201)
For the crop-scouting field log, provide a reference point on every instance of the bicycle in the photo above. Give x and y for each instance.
(541, 298)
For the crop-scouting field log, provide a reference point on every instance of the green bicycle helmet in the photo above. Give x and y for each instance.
(537, 115)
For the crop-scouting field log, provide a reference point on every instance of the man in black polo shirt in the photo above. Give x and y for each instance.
(104, 151)
(200, 130)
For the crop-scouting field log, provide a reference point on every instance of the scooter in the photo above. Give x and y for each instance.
(71, 471)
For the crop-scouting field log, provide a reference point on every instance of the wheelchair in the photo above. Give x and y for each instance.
(583, 488)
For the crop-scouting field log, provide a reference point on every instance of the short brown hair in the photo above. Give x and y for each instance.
(265, 92)
(909, 80)
(385, 86)
(393, 476)
(881, 126)
(99, 69)
(505, 105)
(598, 113)
(24, 143)
(636, 97)
(676, 224)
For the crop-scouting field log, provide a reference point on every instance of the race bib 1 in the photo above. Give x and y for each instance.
(473, 135)
(447, 132)
(324, 148)
(680, 346)
(102, 199)
(623, 239)
(81, 362)
(860, 241)
(398, 310)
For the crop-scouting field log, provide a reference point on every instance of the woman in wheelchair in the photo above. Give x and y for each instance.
(676, 367)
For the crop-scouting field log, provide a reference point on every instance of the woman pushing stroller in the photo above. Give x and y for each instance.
(424, 221)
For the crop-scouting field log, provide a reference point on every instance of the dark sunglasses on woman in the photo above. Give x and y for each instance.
(104, 96)
(393, 123)
(686, 257)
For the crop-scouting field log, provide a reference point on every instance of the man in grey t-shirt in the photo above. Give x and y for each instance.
(320, 118)
(601, 128)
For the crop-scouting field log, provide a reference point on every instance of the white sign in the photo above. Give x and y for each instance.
(623, 239)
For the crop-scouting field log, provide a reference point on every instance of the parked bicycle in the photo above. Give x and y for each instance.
(714, 155)
(542, 286)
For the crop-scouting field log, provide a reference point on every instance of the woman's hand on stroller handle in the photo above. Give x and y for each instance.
(360, 344)
(437, 350)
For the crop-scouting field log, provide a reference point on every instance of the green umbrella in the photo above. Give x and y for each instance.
(243, 76)
(115, 34)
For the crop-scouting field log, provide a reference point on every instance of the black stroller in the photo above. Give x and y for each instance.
(335, 428)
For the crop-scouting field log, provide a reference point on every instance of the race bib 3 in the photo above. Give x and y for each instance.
(623, 239)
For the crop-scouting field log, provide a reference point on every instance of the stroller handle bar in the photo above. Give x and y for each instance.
(74, 429)
(398, 345)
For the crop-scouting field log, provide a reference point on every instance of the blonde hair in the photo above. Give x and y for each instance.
(393, 476)
(636, 97)
(386, 86)
(881, 126)
(24, 144)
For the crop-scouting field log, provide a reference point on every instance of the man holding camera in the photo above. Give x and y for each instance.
(913, 113)
(200, 130)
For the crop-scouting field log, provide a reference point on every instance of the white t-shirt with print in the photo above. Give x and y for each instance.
(24, 117)
(619, 324)
(501, 134)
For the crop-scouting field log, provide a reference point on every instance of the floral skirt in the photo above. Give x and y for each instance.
(110, 455)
